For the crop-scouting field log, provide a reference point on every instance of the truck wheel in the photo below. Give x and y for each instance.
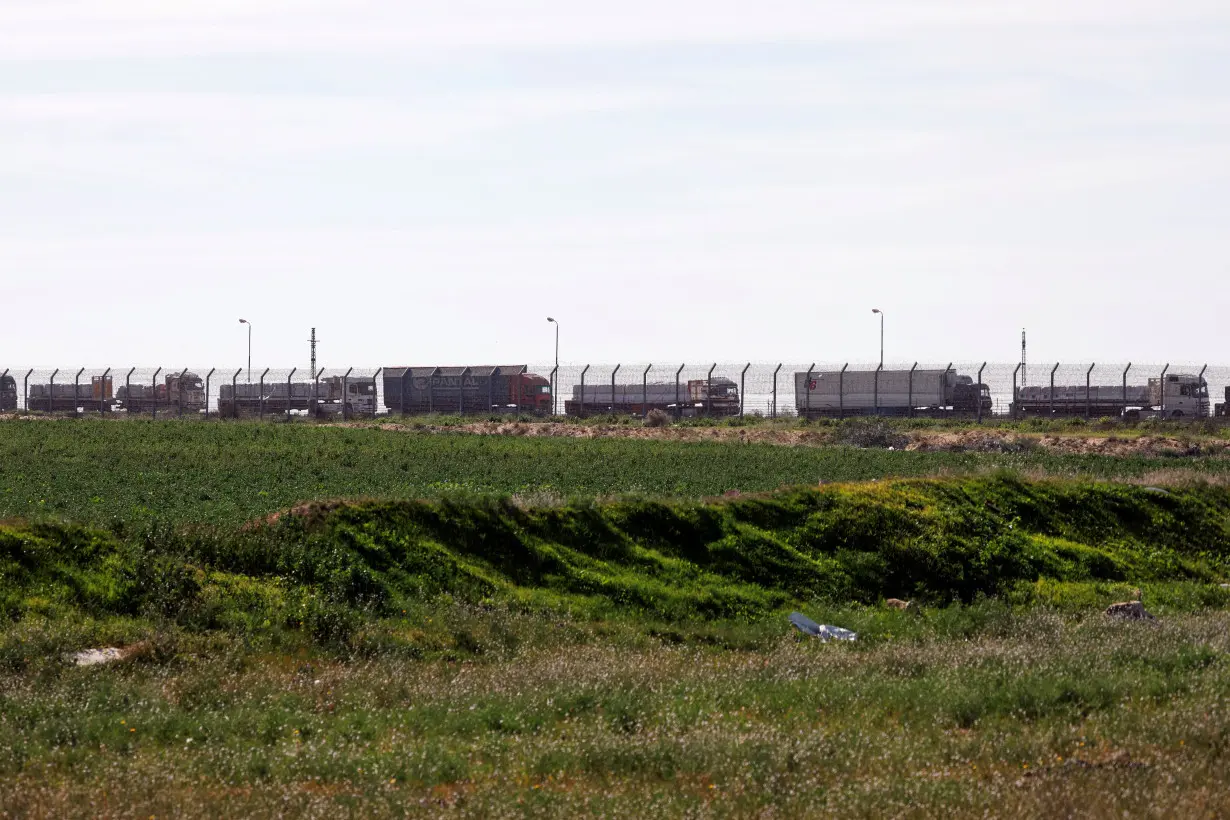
(1178, 414)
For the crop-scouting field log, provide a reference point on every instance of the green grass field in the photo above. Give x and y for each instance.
(99, 471)
(516, 627)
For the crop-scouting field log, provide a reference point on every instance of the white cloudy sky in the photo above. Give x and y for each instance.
(426, 181)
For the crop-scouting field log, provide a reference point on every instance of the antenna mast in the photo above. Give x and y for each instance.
(313, 372)
(1024, 368)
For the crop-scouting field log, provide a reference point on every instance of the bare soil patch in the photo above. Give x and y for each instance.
(988, 440)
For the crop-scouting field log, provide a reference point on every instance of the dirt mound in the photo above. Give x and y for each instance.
(974, 440)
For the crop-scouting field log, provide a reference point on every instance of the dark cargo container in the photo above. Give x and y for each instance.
(482, 389)
(8, 393)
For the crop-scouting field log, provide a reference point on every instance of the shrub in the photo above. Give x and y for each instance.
(657, 418)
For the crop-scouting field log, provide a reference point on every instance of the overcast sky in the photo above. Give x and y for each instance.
(425, 182)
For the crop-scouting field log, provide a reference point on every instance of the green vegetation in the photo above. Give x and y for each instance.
(567, 627)
(101, 471)
(1031, 715)
(335, 571)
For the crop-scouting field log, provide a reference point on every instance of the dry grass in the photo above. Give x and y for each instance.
(1033, 716)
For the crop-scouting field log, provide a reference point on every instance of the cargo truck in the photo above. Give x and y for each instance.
(888, 393)
(271, 397)
(322, 399)
(72, 397)
(696, 397)
(1223, 410)
(8, 394)
(178, 393)
(481, 389)
(358, 399)
(1186, 396)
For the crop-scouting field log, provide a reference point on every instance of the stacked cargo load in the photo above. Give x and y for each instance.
(8, 393)
(696, 397)
(888, 392)
(477, 389)
(70, 398)
(1185, 396)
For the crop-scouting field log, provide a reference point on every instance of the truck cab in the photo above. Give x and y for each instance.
(1185, 396)
(967, 396)
(535, 394)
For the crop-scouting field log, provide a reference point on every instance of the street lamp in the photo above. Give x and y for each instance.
(249, 324)
(555, 375)
(877, 310)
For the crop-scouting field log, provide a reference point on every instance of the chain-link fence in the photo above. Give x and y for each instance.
(716, 389)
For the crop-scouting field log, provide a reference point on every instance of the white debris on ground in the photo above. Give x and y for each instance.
(822, 631)
(93, 657)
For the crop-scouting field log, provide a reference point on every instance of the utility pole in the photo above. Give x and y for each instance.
(1024, 369)
(315, 398)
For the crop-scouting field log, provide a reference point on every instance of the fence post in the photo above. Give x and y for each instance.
(1123, 412)
(375, 381)
(288, 402)
(613, 372)
(1200, 383)
(51, 390)
(775, 372)
(102, 391)
(1015, 401)
(128, 392)
(678, 409)
(346, 394)
(1162, 391)
(180, 402)
(1053, 369)
(841, 391)
(316, 393)
(743, 387)
(910, 395)
(879, 367)
(77, 390)
(461, 392)
(315, 409)
(645, 391)
(491, 391)
(1088, 382)
(262, 396)
(154, 390)
(208, 376)
(947, 370)
(25, 390)
(554, 391)
(234, 396)
(979, 386)
(581, 409)
(709, 391)
(807, 390)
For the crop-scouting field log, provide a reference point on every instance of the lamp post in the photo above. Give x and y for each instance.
(249, 324)
(877, 310)
(554, 390)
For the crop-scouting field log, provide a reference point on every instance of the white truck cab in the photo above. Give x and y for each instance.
(1186, 396)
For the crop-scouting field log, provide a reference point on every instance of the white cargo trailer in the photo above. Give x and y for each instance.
(1186, 396)
(887, 392)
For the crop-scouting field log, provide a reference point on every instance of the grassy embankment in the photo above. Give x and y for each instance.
(594, 657)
